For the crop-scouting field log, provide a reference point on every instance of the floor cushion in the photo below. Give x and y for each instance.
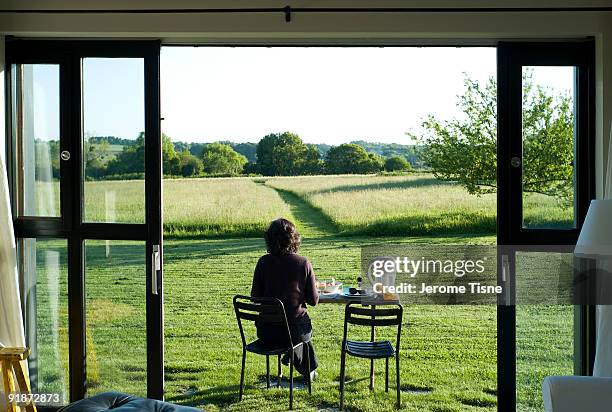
(120, 402)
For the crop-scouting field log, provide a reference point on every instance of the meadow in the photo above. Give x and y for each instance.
(393, 205)
(214, 227)
(408, 205)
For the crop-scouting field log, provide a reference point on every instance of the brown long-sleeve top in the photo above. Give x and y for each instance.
(289, 278)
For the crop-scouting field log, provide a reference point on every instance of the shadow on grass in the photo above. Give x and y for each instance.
(416, 388)
(129, 256)
(176, 251)
(351, 381)
(460, 223)
(490, 391)
(227, 396)
(400, 184)
(132, 254)
(481, 401)
(223, 396)
(207, 231)
(219, 395)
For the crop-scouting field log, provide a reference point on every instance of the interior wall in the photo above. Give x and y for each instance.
(147, 4)
(2, 105)
(604, 110)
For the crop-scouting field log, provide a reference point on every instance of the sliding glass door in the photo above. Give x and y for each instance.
(85, 171)
(545, 184)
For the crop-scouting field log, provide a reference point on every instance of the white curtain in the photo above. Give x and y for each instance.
(11, 322)
(603, 354)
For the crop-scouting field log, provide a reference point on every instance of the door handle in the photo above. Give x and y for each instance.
(505, 278)
(155, 267)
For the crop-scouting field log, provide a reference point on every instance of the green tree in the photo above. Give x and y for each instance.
(352, 158)
(311, 162)
(188, 164)
(170, 157)
(280, 154)
(465, 149)
(250, 168)
(97, 155)
(219, 158)
(287, 158)
(132, 158)
(397, 164)
(375, 165)
(248, 149)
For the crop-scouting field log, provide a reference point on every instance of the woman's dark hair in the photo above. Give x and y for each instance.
(282, 238)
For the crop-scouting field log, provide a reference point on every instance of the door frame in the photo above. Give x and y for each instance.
(40, 51)
(512, 237)
(69, 54)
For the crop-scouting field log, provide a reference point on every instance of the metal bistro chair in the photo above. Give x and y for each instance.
(272, 312)
(390, 315)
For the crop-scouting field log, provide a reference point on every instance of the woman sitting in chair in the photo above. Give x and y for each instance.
(287, 276)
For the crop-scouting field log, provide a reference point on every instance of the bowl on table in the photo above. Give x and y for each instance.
(330, 286)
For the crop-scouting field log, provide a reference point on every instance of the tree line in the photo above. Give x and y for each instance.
(276, 154)
(463, 149)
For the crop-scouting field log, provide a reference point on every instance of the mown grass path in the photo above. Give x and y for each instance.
(311, 223)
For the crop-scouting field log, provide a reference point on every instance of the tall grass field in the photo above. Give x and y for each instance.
(213, 240)
(369, 205)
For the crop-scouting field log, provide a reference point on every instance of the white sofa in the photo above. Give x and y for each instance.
(577, 394)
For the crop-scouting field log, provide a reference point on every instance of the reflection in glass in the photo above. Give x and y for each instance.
(113, 140)
(36, 132)
(44, 276)
(116, 316)
(548, 147)
(544, 330)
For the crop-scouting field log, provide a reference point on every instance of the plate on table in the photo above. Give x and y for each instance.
(346, 294)
(330, 287)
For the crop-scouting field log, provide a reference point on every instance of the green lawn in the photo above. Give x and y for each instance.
(448, 354)
(448, 350)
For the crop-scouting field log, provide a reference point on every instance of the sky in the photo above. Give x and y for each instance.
(326, 95)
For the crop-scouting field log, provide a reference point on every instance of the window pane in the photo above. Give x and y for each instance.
(36, 133)
(544, 324)
(116, 317)
(113, 140)
(44, 275)
(548, 147)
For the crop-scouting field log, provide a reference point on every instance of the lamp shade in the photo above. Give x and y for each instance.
(596, 235)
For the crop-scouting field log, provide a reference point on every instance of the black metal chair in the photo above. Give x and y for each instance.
(270, 311)
(389, 315)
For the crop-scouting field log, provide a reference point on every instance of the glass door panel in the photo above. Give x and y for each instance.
(545, 183)
(43, 273)
(544, 323)
(548, 140)
(87, 108)
(35, 110)
(116, 335)
(114, 140)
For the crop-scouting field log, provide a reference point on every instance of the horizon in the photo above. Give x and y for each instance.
(315, 143)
